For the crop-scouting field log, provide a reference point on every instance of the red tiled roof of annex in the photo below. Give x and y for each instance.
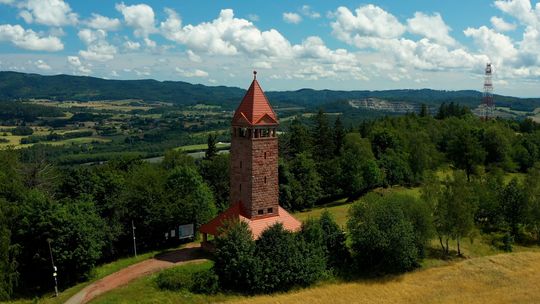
(255, 108)
(257, 225)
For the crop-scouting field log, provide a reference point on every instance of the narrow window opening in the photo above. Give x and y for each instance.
(260, 211)
(240, 164)
(270, 210)
(243, 132)
(240, 187)
(264, 155)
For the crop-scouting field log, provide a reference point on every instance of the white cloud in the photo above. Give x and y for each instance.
(431, 27)
(132, 45)
(502, 26)
(193, 57)
(225, 35)
(293, 18)
(140, 17)
(56, 31)
(499, 47)
(193, 73)
(253, 17)
(313, 47)
(78, 66)
(374, 29)
(104, 23)
(7, 1)
(369, 21)
(42, 65)
(48, 12)
(262, 65)
(521, 10)
(28, 39)
(98, 49)
(101, 51)
(150, 43)
(144, 72)
(307, 11)
(89, 36)
(27, 16)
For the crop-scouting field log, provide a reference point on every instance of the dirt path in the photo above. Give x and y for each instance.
(188, 254)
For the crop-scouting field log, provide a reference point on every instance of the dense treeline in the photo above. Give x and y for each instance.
(86, 212)
(12, 111)
(322, 160)
(55, 136)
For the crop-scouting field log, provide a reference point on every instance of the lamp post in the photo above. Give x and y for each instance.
(134, 242)
(54, 269)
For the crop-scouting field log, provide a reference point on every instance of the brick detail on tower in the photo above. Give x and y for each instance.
(254, 172)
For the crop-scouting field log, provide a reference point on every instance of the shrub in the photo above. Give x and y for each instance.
(280, 257)
(382, 238)
(338, 254)
(22, 131)
(419, 214)
(185, 277)
(311, 263)
(235, 262)
(174, 279)
(205, 282)
(278, 261)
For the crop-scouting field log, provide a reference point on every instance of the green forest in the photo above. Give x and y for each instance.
(476, 177)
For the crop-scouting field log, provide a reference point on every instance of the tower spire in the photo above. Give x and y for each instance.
(254, 108)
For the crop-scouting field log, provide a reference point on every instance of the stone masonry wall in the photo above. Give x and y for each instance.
(250, 169)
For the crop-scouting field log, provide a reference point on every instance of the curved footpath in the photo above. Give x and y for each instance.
(189, 254)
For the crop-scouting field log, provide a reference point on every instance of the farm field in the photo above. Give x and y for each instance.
(202, 147)
(120, 105)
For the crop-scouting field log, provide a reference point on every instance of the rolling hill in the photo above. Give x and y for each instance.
(21, 86)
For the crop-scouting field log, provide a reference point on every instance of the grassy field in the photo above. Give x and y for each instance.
(504, 278)
(339, 209)
(145, 290)
(201, 147)
(15, 141)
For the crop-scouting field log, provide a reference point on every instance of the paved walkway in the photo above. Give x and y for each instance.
(190, 253)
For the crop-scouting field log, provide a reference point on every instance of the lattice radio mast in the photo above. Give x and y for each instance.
(488, 104)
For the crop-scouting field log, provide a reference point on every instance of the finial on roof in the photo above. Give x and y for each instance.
(254, 74)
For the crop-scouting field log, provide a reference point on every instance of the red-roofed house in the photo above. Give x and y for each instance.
(254, 168)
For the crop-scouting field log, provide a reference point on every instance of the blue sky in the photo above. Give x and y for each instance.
(293, 44)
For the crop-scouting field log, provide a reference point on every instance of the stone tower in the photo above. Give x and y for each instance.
(254, 170)
(254, 155)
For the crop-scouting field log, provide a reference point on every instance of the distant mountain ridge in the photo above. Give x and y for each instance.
(16, 86)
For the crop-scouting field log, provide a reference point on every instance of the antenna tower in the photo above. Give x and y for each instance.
(488, 104)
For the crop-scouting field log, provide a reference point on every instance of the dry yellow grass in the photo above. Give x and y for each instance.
(504, 278)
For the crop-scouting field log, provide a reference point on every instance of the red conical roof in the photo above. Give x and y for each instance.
(254, 108)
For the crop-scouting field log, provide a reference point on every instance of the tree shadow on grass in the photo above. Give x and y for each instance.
(183, 255)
